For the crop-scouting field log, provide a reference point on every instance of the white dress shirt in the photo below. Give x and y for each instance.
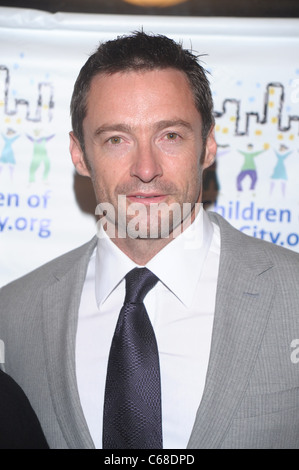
(181, 309)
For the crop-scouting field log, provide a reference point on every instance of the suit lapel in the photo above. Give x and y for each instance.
(243, 305)
(61, 303)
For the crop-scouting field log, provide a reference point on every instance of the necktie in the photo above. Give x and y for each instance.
(132, 406)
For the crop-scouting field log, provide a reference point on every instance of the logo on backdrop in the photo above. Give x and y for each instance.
(257, 156)
(26, 129)
(265, 133)
(20, 118)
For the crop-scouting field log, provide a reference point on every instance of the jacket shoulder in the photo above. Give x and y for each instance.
(47, 273)
(250, 249)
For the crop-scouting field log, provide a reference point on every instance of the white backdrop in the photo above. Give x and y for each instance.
(254, 66)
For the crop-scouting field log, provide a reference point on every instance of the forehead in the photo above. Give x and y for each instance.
(158, 91)
(163, 74)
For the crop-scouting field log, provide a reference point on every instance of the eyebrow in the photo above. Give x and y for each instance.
(158, 126)
(173, 123)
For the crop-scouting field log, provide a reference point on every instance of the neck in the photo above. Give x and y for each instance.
(142, 250)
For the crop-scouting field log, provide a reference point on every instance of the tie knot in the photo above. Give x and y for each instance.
(139, 282)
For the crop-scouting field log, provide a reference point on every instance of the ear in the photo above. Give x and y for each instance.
(211, 149)
(78, 156)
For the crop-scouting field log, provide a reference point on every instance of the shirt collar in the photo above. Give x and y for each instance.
(178, 265)
(112, 265)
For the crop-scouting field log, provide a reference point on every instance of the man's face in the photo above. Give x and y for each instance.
(142, 135)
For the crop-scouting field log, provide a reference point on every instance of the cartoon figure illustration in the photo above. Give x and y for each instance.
(249, 167)
(40, 156)
(7, 155)
(279, 172)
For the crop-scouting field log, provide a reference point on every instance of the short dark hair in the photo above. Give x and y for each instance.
(141, 51)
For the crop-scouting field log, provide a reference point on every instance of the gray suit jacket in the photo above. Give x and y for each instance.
(251, 396)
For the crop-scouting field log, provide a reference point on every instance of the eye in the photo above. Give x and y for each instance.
(115, 140)
(172, 136)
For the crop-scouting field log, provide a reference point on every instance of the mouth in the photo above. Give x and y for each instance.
(144, 198)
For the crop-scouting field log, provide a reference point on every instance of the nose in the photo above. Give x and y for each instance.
(146, 163)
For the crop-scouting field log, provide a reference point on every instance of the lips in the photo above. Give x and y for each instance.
(144, 198)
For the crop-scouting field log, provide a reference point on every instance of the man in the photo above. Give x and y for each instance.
(19, 426)
(224, 307)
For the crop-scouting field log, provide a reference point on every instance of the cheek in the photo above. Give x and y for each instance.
(190, 179)
(105, 178)
(186, 170)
